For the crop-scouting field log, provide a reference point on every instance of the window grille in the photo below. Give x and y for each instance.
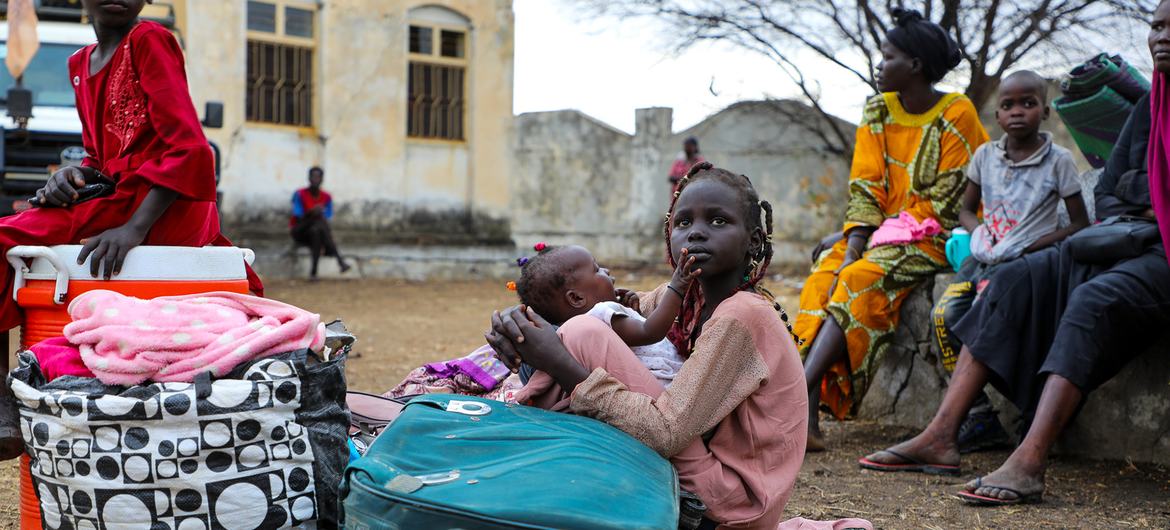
(436, 101)
(280, 58)
(280, 84)
(436, 83)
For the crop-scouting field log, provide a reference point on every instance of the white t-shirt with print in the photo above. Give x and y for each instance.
(661, 358)
(1020, 199)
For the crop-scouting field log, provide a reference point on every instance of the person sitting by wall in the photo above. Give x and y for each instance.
(1020, 180)
(912, 150)
(683, 164)
(312, 208)
(1054, 325)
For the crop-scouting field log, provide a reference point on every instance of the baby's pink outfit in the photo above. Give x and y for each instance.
(904, 229)
(126, 341)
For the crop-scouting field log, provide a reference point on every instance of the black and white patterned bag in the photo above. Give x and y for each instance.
(260, 448)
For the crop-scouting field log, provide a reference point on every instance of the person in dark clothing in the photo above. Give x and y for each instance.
(1049, 329)
(1124, 187)
(312, 208)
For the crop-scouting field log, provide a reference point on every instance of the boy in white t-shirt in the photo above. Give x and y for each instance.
(1020, 180)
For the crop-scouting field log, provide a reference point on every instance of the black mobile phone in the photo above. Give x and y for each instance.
(85, 193)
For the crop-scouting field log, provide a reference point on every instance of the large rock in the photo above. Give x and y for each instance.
(910, 381)
(1124, 419)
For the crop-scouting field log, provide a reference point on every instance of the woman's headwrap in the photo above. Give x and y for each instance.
(926, 41)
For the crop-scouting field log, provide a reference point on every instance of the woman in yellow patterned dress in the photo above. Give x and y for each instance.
(910, 156)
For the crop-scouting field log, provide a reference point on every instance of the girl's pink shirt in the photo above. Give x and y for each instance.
(744, 380)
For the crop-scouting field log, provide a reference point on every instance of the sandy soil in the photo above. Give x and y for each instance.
(401, 325)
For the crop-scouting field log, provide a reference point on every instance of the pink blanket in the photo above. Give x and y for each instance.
(904, 229)
(126, 341)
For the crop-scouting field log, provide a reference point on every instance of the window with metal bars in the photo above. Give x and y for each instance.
(436, 80)
(281, 40)
(436, 101)
(280, 84)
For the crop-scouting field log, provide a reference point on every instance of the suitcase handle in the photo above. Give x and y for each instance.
(442, 477)
(469, 408)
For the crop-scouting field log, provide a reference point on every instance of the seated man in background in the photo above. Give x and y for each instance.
(312, 208)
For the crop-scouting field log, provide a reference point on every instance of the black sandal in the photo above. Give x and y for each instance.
(11, 441)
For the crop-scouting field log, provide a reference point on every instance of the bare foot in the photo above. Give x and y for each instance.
(1008, 483)
(816, 441)
(923, 448)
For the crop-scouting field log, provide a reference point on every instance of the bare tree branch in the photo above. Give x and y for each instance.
(794, 73)
(995, 36)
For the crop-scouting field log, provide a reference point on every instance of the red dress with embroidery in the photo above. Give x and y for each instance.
(139, 127)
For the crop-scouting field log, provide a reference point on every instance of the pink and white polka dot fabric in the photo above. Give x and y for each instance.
(127, 341)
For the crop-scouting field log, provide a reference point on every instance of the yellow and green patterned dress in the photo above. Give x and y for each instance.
(902, 162)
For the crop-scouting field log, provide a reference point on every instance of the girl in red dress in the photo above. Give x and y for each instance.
(141, 132)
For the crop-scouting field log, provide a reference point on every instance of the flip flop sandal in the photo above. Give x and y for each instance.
(912, 465)
(971, 498)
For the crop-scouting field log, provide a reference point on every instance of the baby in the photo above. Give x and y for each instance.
(560, 283)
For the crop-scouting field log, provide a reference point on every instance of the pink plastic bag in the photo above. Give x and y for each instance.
(904, 229)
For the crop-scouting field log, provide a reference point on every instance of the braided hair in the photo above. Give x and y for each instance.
(758, 215)
(542, 279)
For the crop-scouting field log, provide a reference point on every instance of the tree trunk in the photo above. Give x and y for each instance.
(981, 89)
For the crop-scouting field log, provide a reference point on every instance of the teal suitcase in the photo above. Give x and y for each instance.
(462, 462)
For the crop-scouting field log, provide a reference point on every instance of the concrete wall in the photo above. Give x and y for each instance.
(574, 183)
(579, 180)
(388, 188)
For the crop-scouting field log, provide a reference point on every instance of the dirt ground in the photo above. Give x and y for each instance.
(401, 325)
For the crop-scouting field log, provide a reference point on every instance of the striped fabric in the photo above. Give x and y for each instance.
(1098, 97)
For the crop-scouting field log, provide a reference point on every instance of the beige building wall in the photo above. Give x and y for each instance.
(386, 186)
